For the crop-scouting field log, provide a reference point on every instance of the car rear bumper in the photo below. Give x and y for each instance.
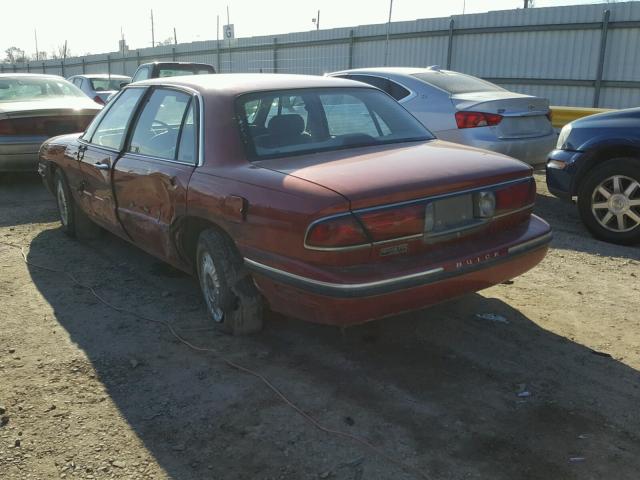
(20, 154)
(533, 150)
(562, 168)
(351, 302)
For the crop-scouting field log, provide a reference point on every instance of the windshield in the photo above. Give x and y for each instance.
(294, 122)
(106, 84)
(24, 89)
(454, 82)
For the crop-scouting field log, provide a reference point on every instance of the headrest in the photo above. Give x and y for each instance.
(290, 124)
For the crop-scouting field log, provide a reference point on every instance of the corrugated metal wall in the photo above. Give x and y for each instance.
(583, 55)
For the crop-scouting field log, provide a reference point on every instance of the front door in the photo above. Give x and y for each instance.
(99, 152)
(151, 178)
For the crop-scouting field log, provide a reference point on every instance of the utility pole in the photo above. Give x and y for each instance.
(153, 38)
(35, 33)
(175, 36)
(527, 3)
(386, 44)
(318, 21)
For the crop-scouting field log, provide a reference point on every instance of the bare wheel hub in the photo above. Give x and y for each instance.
(210, 284)
(615, 203)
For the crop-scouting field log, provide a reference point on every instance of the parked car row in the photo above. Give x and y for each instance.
(321, 197)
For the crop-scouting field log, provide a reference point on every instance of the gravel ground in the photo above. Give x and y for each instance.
(88, 392)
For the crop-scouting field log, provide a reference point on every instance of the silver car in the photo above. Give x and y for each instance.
(33, 108)
(465, 109)
(99, 86)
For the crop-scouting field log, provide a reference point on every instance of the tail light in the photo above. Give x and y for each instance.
(45, 126)
(394, 222)
(477, 119)
(515, 196)
(97, 99)
(7, 127)
(336, 233)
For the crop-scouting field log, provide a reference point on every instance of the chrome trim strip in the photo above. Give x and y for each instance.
(381, 287)
(530, 244)
(403, 203)
(343, 286)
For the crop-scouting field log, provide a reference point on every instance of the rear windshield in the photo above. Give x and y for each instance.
(294, 122)
(106, 84)
(24, 89)
(454, 83)
(176, 72)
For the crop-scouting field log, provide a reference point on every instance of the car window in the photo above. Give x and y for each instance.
(141, 74)
(175, 72)
(157, 130)
(188, 138)
(105, 84)
(323, 119)
(24, 89)
(455, 83)
(394, 89)
(112, 124)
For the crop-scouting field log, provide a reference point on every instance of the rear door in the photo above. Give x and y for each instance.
(151, 178)
(98, 152)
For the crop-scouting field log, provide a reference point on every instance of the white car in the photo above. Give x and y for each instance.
(99, 86)
(464, 109)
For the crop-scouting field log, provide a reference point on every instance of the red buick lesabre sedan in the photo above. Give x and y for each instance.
(320, 198)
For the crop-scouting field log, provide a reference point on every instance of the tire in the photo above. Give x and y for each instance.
(232, 300)
(609, 201)
(75, 223)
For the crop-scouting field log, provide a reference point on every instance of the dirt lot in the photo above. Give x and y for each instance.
(93, 393)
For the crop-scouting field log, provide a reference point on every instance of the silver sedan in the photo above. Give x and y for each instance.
(33, 108)
(464, 109)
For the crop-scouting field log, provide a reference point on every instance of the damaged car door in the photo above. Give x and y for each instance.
(151, 177)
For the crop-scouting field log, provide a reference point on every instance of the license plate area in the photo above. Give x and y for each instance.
(450, 216)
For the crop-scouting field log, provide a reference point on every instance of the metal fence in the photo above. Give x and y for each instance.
(583, 55)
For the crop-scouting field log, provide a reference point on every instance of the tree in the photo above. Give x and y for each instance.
(14, 55)
(39, 56)
(166, 41)
(62, 52)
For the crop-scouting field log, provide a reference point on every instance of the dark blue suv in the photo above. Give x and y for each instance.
(597, 159)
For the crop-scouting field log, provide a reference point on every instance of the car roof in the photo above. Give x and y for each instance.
(239, 83)
(99, 75)
(176, 63)
(31, 75)
(395, 70)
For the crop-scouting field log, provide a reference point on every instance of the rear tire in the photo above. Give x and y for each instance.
(75, 223)
(609, 201)
(233, 301)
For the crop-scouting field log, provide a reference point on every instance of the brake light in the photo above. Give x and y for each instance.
(7, 127)
(394, 222)
(97, 99)
(477, 119)
(336, 232)
(516, 196)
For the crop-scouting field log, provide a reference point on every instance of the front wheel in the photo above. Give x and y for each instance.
(75, 222)
(609, 201)
(233, 302)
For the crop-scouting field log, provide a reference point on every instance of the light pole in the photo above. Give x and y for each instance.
(386, 44)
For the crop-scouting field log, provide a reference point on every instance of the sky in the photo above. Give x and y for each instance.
(89, 27)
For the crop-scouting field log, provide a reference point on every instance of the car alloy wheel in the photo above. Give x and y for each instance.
(615, 203)
(210, 284)
(63, 204)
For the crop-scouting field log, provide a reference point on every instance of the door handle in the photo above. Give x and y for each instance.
(102, 166)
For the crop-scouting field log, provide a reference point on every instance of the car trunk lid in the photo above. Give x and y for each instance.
(374, 176)
(524, 116)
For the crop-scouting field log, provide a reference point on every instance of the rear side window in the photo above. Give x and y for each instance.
(455, 83)
(394, 89)
(112, 125)
(157, 130)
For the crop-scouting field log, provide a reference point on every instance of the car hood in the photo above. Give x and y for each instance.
(85, 104)
(378, 175)
(625, 118)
